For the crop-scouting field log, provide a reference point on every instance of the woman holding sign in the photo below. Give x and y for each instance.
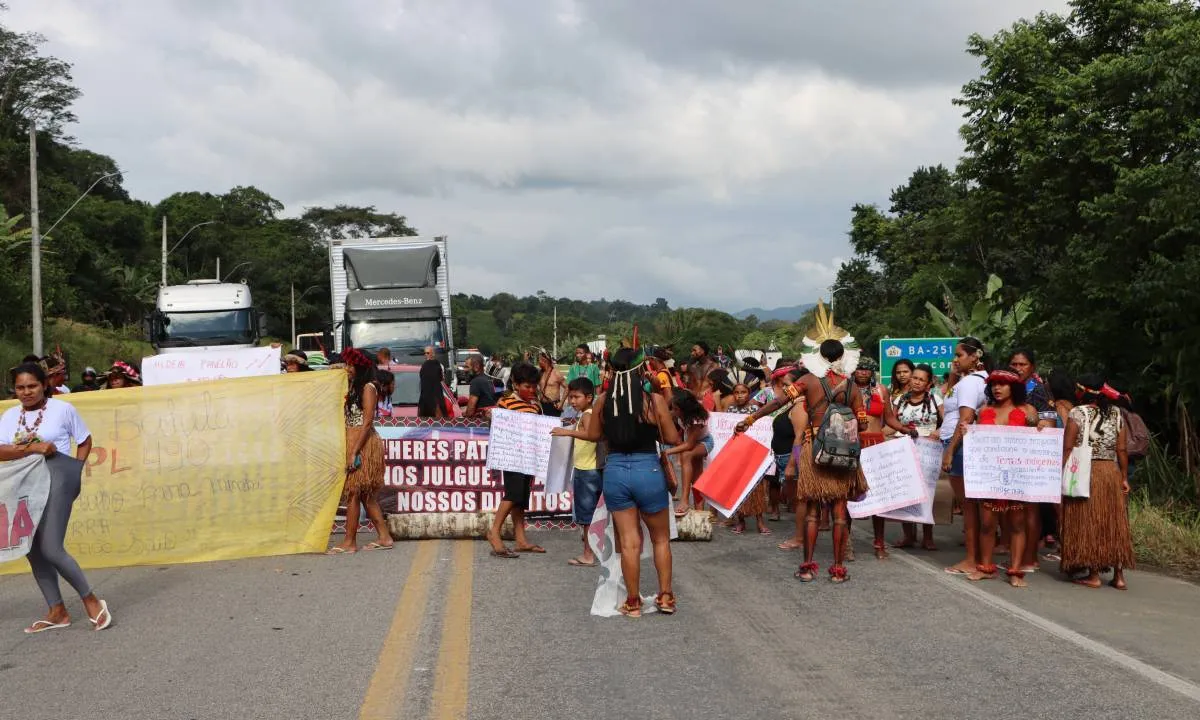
(41, 425)
(634, 419)
(968, 380)
(1095, 529)
(1006, 406)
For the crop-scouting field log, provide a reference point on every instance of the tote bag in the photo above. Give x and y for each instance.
(1077, 473)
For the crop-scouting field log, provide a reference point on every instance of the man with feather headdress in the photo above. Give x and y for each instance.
(831, 358)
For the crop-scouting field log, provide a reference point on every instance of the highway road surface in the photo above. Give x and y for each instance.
(438, 629)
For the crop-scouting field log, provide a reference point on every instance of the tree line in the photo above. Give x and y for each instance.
(1078, 192)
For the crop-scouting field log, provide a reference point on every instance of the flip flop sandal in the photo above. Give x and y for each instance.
(576, 562)
(337, 550)
(103, 618)
(44, 625)
(955, 571)
(377, 546)
(535, 549)
(505, 554)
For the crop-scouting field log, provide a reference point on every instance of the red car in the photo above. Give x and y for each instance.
(408, 391)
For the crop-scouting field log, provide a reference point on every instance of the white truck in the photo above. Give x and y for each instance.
(203, 315)
(393, 292)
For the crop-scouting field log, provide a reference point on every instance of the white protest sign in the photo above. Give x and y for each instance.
(24, 489)
(929, 458)
(560, 468)
(520, 442)
(1013, 463)
(209, 365)
(894, 477)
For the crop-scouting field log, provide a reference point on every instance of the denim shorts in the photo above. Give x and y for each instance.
(956, 463)
(585, 493)
(707, 442)
(781, 461)
(635, 481)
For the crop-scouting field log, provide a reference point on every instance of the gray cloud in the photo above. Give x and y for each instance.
(615, 148)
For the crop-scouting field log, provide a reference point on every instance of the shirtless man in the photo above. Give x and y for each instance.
(552, 386)
(700, 366)
(816, 484)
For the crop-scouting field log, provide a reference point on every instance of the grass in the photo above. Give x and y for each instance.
(83, 344)
(1164, 514)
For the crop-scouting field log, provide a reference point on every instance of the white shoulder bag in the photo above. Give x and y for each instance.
(1077, 473)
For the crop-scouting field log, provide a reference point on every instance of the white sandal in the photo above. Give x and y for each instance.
(44, 625)
(104, 613)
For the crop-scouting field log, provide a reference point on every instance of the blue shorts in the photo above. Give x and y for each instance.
(585, 493)
(707, 442)
(635, 481)
(781, 461)
(956, 463)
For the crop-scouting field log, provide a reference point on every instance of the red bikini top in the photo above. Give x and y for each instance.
(1016, 417)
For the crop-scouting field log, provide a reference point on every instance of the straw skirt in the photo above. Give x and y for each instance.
(825, 484)
(368, 478)
(1095, 530)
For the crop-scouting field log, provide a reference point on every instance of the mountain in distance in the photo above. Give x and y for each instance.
(791, 313)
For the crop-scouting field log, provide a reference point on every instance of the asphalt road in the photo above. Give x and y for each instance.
(439, 629)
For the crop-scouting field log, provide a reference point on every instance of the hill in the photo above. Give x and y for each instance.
(791, 313)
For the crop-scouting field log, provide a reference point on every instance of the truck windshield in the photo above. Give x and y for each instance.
(397, 334)
(219, 327)
(408, 389)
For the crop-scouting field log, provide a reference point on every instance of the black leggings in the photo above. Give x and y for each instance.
(48, 558)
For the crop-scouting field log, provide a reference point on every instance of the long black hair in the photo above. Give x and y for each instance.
(625, 405)
(689, 407)
(431, 397)
(901, 362)
(975, 345)
(1061, 385)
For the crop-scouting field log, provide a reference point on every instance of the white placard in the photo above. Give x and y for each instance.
(560, 468)
(894, 477)
(1013, 463)
(929, 458)
(210, 365)
(24, 489)
(520, 442)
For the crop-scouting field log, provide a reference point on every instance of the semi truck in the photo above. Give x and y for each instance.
(203, 315)
(394, 293)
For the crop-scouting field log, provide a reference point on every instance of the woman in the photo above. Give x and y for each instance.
(716, 387)
(1095, 529)
(919, 409)
(879, 415)
(783, 436)
(364, 454)
(432, 401)
(1007, 405)
(1041, 519)
(634, 422)
(695, 448)
(41, 425)
(901, 374)
(296, 361)
(968, 380)
(755, 504)
(122, 375)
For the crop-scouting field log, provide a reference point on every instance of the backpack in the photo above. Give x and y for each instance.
(1137, 437)
(836, 443)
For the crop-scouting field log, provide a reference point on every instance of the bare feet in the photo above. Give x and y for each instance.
(1017, 581)
(791, 544)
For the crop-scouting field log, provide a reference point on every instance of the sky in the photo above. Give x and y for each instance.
(707, 152)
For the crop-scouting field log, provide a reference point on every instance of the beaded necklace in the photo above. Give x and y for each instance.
(25, 433)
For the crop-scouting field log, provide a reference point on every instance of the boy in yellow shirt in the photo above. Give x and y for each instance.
(588, 479)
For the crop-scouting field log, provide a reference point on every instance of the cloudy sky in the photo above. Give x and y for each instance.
(707, 152)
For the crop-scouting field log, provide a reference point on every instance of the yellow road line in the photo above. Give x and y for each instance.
(385, 694)
(452, 679)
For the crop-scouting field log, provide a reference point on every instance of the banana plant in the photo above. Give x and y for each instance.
(10, 237)
(990, 319)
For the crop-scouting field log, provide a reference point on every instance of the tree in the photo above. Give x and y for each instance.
(991, 320)
(342, 222)
(33, 87)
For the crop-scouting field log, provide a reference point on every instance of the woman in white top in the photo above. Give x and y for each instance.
(919, 409)
(968, 383)
(41, 425)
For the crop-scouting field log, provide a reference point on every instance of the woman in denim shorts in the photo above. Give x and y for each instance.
(634, 420)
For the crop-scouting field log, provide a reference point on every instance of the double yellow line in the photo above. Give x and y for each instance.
(386, 693)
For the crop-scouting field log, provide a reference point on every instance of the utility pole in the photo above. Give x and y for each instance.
(293, 314)
(164, 250)
(35, 243)
(556, 333)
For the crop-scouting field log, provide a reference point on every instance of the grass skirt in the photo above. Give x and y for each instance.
(825, 484)
(368, 478)
(1095, 530)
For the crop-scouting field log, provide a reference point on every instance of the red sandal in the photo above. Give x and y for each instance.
(807, 572)
(838, 575)
(632, 607)
(665, 602)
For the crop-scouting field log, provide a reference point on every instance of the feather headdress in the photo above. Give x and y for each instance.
(825, 329)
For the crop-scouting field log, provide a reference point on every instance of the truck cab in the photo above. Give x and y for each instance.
(203, 315)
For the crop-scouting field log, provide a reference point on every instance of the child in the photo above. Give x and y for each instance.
(588, 479)
(517, 486)
(697, 444)
(755, 504)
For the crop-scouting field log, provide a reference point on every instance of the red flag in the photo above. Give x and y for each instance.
(726, 478)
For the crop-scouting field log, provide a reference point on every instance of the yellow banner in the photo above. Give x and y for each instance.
(208, 471)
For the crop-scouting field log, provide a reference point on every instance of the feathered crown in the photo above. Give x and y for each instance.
(823, 330)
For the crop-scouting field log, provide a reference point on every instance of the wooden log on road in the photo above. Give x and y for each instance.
(454, 526)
